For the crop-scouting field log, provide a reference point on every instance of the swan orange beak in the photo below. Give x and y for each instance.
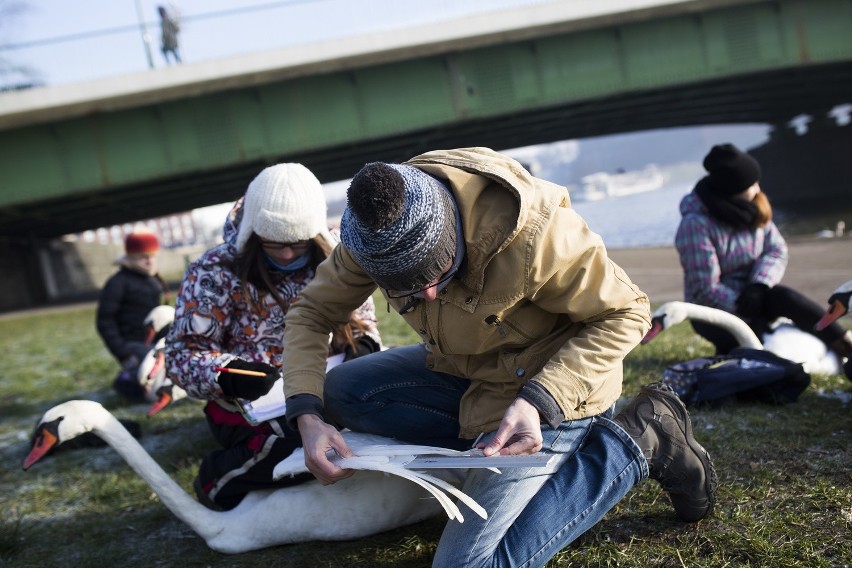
(835, 311)
(164, 398)
(44, 441)
(158, 365)
(656, 328)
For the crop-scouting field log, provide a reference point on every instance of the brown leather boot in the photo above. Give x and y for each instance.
(659, 423)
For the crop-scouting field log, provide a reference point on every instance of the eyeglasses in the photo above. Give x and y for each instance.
(394, 294)
(298, 247)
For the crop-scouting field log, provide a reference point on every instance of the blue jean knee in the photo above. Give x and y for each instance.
(535, 512)
(392, 393)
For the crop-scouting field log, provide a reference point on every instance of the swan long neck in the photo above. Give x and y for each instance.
(744, 335)
(202, 520)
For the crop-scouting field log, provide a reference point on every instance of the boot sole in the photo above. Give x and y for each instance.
(703, 455)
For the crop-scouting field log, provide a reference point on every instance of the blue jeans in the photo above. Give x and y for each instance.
(532, 512)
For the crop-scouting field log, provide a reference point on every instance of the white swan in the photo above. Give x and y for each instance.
(366, 503)
(157, 320)
(785, 340)
(838, 306)
(158, 388)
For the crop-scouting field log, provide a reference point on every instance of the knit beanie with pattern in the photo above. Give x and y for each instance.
(730, 170)
(284, 203)
(400, 225)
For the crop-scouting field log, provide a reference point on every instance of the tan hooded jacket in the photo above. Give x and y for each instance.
(537, 300)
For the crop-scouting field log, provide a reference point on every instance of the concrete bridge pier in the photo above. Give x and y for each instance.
(22, 284)
(811, 172)
(40, 272)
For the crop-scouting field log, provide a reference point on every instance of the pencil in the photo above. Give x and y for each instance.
(240, 372)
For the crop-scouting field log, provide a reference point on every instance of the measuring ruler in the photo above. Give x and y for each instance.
(476, 461)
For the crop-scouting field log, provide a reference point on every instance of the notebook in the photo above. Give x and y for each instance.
(272, 404)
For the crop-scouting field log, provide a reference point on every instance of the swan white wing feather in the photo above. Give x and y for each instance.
(397, 465)
(381, 463)
(460, 495)
(362, 445)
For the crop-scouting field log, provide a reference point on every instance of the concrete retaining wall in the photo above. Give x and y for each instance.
(37, 274)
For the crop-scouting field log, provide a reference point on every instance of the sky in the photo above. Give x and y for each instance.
(70, 41)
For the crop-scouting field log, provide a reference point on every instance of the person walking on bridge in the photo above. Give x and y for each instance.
(169, 30)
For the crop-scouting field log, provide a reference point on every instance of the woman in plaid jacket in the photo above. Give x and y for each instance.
(734, 257)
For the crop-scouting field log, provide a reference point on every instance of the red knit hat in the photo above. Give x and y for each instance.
(141, 242)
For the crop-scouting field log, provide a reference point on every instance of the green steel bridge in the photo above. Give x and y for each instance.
(105, 152)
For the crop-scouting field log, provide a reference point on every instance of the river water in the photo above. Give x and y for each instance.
(650, 219)
(646, 219)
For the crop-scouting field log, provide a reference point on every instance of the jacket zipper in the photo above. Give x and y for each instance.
(495, 321)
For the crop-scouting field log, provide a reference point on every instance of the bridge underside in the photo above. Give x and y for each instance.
(771, 98)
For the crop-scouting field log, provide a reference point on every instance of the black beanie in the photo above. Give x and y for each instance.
(730, 170)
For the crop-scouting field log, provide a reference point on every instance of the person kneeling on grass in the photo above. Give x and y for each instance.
(525, 324)
(128, 296)
(734, 256)
(230, 315)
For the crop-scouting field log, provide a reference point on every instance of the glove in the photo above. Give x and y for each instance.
(751, 300)
(246, 386)
(363, 346)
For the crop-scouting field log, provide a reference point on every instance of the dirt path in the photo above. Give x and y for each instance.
(816, 268)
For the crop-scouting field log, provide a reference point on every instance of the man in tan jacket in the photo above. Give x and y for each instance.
(525, 323)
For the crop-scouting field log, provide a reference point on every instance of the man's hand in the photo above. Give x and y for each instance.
(519, 432)
(318, 438)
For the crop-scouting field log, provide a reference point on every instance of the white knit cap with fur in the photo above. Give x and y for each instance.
(284, 203)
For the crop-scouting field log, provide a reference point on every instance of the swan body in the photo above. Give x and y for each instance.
(158, 388)
(785, 340)
(366, 503)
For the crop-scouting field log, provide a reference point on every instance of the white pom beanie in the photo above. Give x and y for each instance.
(284, 203)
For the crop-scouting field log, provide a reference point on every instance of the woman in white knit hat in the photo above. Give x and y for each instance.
(230, 316)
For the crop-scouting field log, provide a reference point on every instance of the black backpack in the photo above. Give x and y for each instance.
(744, 373)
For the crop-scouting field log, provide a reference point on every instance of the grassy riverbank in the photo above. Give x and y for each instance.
(785, 475)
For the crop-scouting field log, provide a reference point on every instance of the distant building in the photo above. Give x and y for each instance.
(173, 231)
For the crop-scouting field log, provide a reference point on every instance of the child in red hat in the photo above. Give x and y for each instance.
(124, 301)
